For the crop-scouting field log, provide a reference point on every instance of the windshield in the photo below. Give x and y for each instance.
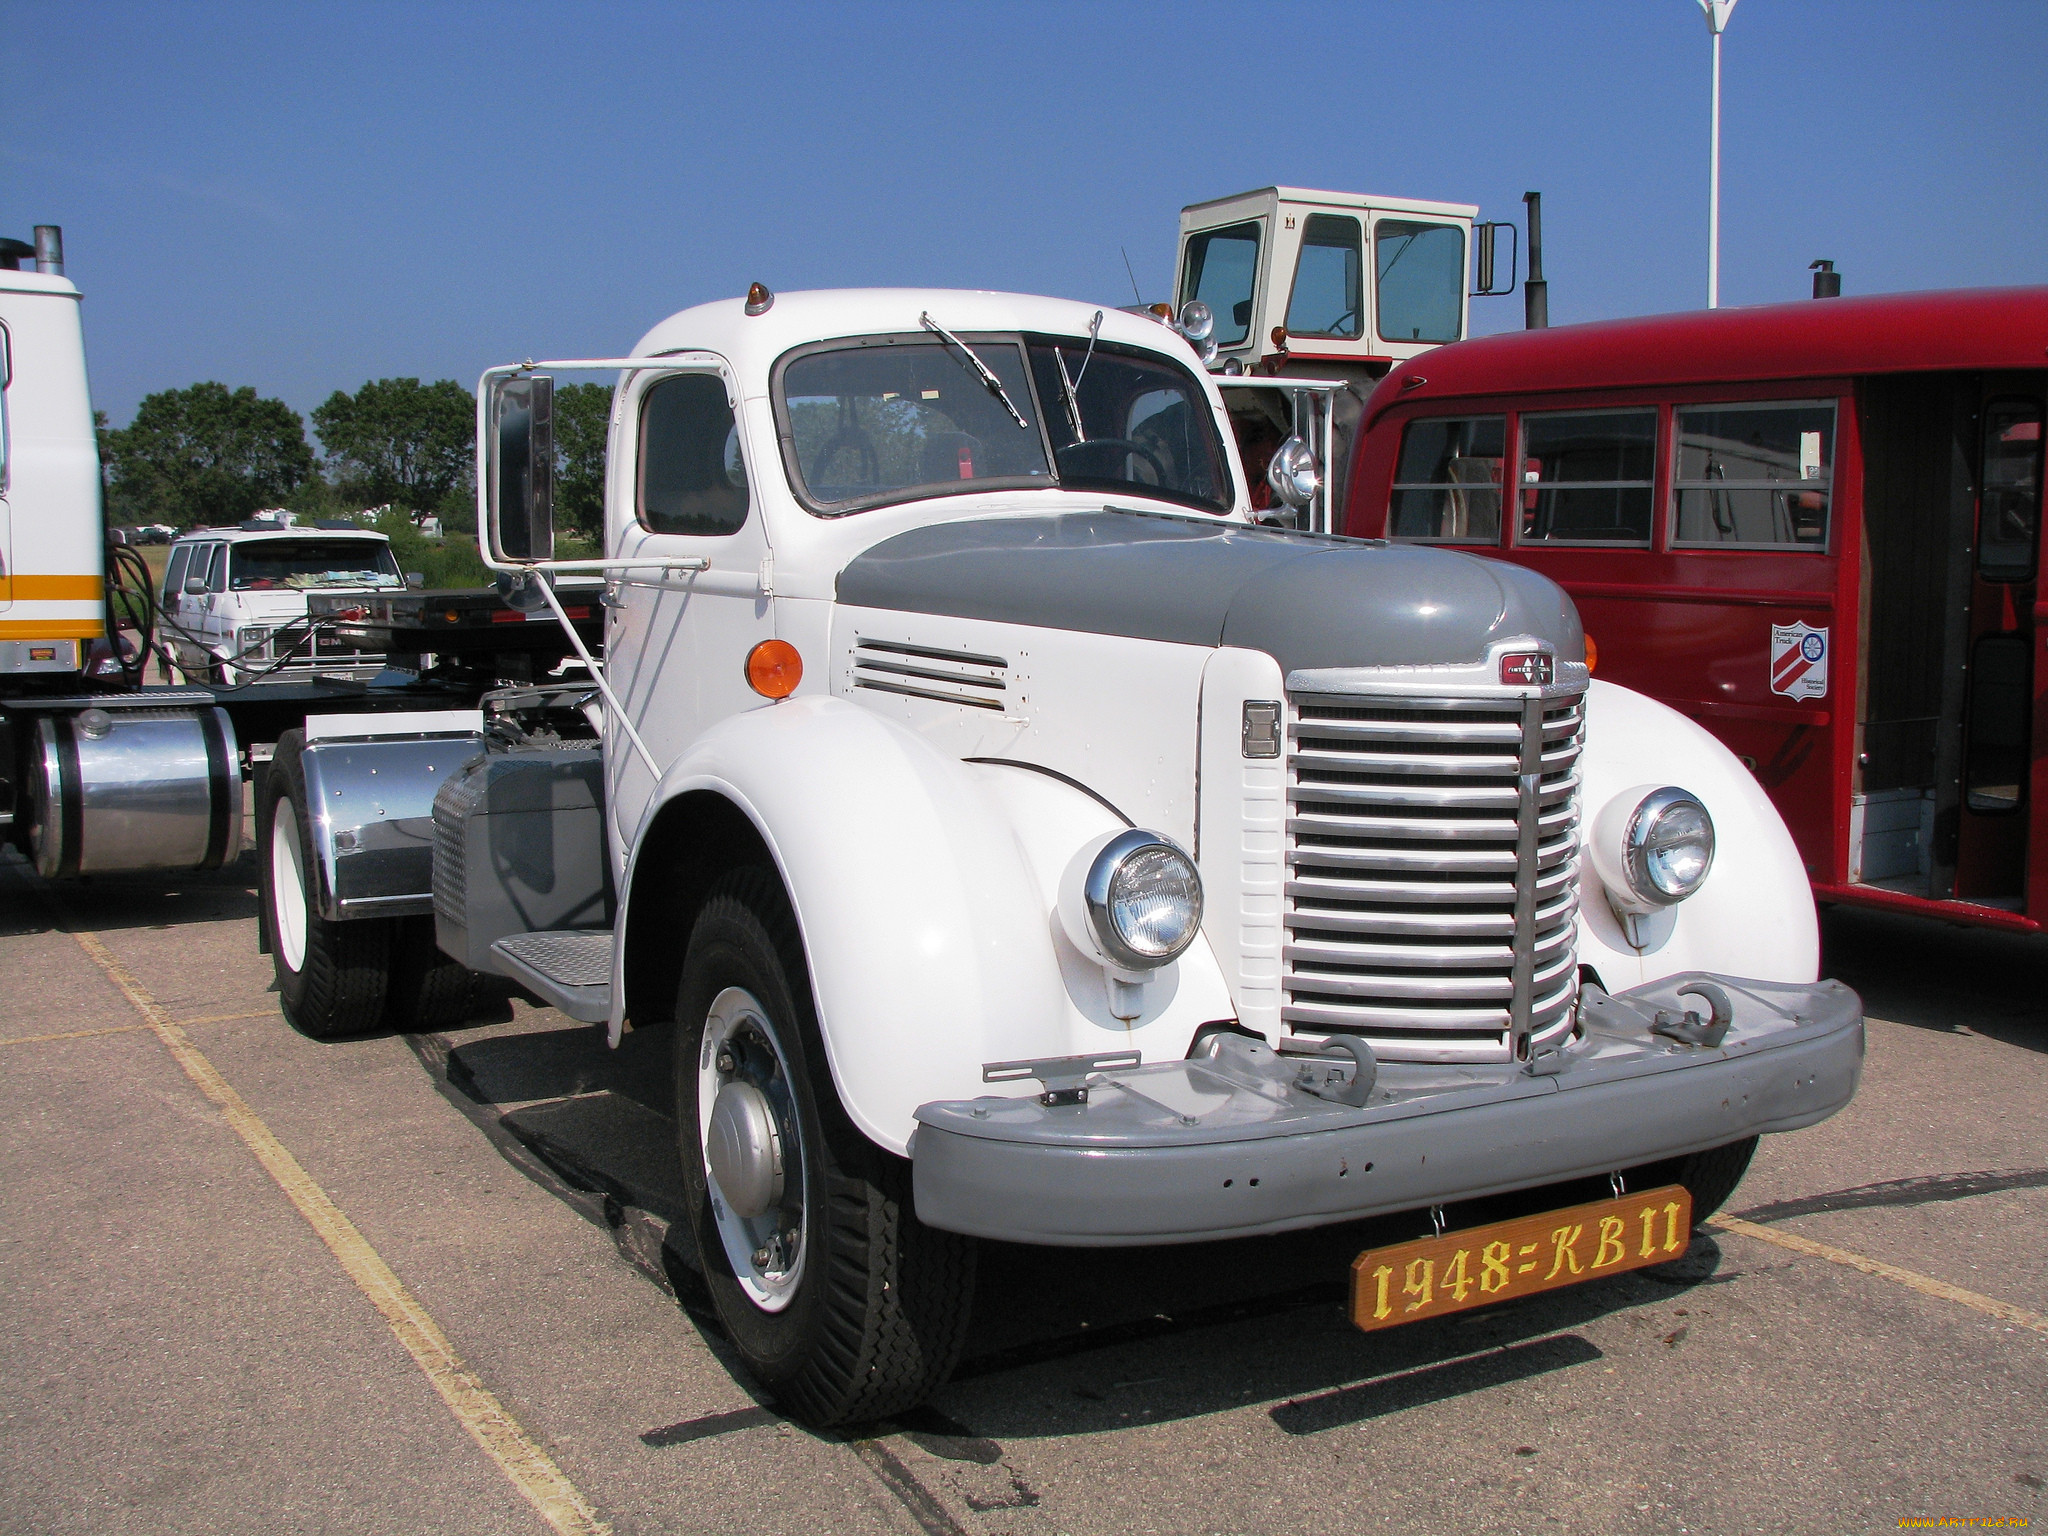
(885, 420)
(295, 564)
(1219, 269)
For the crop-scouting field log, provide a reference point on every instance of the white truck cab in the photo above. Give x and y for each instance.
(1302, 277)
(1021, 843)
(233, 605)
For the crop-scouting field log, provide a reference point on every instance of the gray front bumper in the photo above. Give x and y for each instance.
(1223, 1146)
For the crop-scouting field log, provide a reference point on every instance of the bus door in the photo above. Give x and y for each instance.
(1945, 675)
(1998, 717)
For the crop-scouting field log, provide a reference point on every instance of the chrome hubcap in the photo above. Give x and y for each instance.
(752, 1148)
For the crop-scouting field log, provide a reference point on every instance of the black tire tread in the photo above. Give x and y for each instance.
(1710, 1177)
(340, 990)
(428, 990)
(897, 1293)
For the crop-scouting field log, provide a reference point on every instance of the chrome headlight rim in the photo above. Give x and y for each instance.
(1099, 894)
(1639, 843)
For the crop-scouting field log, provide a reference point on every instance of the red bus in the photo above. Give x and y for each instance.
(1815, 528)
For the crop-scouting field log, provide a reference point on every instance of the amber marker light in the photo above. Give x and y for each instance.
(1592, 655)
(774, 669)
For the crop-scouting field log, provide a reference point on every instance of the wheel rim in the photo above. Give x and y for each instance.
(287, 887)
(740, 1045)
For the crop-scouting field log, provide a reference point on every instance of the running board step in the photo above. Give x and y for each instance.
(571, 968)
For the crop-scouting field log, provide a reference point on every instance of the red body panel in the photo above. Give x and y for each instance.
(1692, 626)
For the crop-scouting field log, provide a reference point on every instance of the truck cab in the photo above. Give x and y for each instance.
(1285, 272)
(1016, 841)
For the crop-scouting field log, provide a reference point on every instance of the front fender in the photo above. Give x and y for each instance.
(925, 932)
(1754, 916)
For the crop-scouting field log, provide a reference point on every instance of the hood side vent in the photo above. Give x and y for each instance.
(930, 672)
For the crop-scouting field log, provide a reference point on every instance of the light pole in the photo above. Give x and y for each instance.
(1717, 20)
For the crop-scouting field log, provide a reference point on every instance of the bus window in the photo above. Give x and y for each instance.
(1754, 475)
(1222, 264)
(1587, 476)
(1995, 758)
(2012, 490)
(1328, 294)
(1421, 273)
(1447, 484)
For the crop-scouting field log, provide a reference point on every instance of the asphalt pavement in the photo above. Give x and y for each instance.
(254, 1282)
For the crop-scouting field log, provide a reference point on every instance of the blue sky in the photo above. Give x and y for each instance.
(303, 197)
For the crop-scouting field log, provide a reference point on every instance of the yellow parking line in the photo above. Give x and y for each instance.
(1926, 1285)
(532, 1471)
(129, 1029)
(74, 1034)
(229, 1018)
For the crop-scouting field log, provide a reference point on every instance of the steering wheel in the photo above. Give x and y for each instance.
(1127, 446)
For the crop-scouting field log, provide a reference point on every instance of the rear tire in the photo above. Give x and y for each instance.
(427, 990)
(331, 977)
(839, 1300)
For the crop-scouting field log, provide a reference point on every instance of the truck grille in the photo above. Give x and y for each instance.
(1432, 896)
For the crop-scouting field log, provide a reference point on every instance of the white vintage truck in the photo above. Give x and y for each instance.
(1023, 844)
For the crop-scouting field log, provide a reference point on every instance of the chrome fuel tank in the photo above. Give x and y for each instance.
(131, 789)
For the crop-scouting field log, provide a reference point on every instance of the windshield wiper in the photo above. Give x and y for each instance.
(1070, 387)
(995, 385)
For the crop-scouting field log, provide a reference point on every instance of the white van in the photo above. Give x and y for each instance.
(234, 599)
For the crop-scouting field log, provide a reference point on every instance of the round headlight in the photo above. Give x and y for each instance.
(1144, 900)
(1294, 475)
(1197, 320)
(1668, 847)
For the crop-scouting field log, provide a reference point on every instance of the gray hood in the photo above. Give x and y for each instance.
(1306, 600)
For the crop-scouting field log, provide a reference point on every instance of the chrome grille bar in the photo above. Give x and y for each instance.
(1431, 899)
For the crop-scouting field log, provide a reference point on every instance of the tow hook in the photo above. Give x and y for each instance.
(1328, 1081)
(1689, 1028)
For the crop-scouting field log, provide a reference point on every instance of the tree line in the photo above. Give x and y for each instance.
(208, 455)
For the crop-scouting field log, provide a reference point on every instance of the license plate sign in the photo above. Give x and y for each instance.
(1431, 1276)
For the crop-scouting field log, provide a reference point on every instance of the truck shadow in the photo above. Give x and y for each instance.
(1063, 1341)
(109, 903)
(1940, 976)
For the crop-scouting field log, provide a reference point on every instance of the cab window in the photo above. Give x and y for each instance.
(2010, 519)
(1220, 269)
(1587, 476)
(217, 569)
(692, 477)
(1420, 272)
(1328, 279)
(1754, 475)
(1447, 482)
(174, 572)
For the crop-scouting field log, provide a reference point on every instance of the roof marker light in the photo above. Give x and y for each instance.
(759, 298)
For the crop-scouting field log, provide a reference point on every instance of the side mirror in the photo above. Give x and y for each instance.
(195, 586)
(416, 579)
(520, 520)
(1483, 274)
(1294, 474)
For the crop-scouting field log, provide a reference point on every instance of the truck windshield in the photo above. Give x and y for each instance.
(1220, 267)
(299, 563)
(1421, 273)
(882, 420)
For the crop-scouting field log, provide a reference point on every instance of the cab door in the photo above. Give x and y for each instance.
(676, 641)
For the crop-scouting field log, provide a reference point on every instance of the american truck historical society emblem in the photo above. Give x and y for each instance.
(1799, 661)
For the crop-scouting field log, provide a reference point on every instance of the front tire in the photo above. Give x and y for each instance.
(1709, 1177)
(331, 977)
(840, 1301)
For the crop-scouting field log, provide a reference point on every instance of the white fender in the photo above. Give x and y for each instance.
(1754, 916)
(926, 925)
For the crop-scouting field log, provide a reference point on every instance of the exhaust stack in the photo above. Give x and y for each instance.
(50, 249)
(1535, 291)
